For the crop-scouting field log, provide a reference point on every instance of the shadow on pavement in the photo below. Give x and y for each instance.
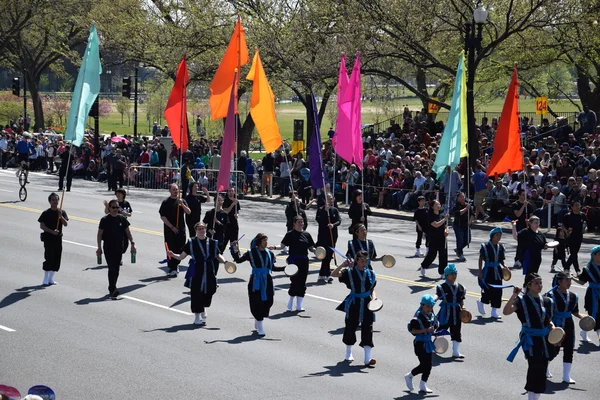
(288, 314)
(584, 347)
(19, 294)
(183, 327)
(481, 320)
(557, 387)
(439, 360)
(88, 300)
(10, 202)
(474, 271)
(222, 281)
(153, 279)
(242, 339)
(418, 289)
(96, 268)
(417, 395)
(339, 369)
(181, 301)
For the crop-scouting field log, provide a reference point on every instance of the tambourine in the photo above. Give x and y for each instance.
(556, 336)
(465, 316)
(587, 323)
(506, 274)
(291, 269)
(441, 345)
(375, 305)
(320, 253)
(553, 244)
(43, 391)
(388, 261)
(230, 267)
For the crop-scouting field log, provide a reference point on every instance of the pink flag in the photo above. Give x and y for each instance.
(355, 116)
(228, 145)
(342, 139)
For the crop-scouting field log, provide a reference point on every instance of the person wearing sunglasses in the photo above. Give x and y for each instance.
(112, 230)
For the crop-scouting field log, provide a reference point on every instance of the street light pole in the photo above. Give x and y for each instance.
(473, 34)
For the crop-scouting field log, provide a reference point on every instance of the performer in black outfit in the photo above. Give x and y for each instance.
(300, 243)
(566, 304)
(574, 224)
(296, 207)
(491, 262)
(591, 276)
(194, 201)
(231, 205)
(124, 209)
(522, 210)
(113, 230)
(421, 218)
(358, 211)
(422, 327)
(361, 243)
(174, 230)
(535, 313)
(52, 238)
(260, 285)
(530, 243)
(328, 218)
(216, 221)
(452, 295)
(436, 235)
(201, 272)
(361, 281)
(66, 168)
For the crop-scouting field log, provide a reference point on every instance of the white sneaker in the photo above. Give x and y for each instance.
(495, 313)
(349, 356)
(567, 373)
(422, 272)
(260, 329)
(418, 253)
(584, 337)
(203, 315)
(198, 320)
(408, 379)
(456, 350)
(299, 301)
(46, 277)
(423, 388)
(480, 307)
(290, 304)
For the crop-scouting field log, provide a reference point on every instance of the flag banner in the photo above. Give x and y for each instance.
(86, 90)
(453, 145)
(508, 154)
(176, 110)
(228, 146)
(315, 159)
(341, 125)
(235, 56)
(262, 107)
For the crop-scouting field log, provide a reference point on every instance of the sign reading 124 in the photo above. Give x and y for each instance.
(541, 105)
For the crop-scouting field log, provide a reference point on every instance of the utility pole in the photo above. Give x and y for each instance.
(24, 101)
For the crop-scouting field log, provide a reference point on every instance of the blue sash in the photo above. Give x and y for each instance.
(427, 338)
(490, 265)
(260, 274)
(558, 317)
(595, 288)
(526, 341)
(447, 308)
(351, 298)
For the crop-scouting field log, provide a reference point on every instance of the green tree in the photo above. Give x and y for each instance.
(124, 107)
(10, 108)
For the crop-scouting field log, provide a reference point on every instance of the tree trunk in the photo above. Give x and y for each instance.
(422, 86)
(38, 110)
(589, 97)
(245, 134)
(310, 125)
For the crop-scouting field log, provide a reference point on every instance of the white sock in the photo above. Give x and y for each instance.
(51, 277)
(423, 387)
(367, 354)
(197, 319)
(203, 314)
(548, 373)
(256, 324)
(46, 276)
(456, 349)
(260, 328)
(480, 307)
(349, 356)
(299, 301)
(495, 313)
(408, 379)
(290, 303)
(567, 373)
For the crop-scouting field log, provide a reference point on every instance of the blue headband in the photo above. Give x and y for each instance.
(449, 270)
(428, 300)
(495, 230)
(595, 249)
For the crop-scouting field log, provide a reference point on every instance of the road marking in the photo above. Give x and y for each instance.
(4, 328)
(7, 191)
(80, 244)
(312, 295)
(157, 305)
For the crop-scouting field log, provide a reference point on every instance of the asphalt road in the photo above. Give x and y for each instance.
(72, 338)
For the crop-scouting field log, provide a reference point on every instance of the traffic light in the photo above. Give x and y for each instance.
(16, 87)
(127, 87)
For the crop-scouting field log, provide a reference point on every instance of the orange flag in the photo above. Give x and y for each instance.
(235, 56)
(508, 155)
(262, 106)
(176, 111)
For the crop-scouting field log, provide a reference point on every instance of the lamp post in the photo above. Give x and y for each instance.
(473, 30)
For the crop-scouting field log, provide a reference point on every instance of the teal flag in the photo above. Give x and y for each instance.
(453, 145)
(86, 90)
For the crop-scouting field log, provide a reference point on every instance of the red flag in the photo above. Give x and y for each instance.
(508, 155)
(227, 148)
(176, 111)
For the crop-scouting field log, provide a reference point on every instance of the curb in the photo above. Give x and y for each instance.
(404, 217)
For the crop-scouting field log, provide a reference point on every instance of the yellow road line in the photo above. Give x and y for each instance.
(155, 233)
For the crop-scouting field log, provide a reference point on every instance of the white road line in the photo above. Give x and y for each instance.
(4, 328)
(312, 295)
(157, 305)
(80, 244)
(8, 191)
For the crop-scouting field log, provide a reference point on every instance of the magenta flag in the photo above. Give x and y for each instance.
(356, 116)
(342, 141)
(227, 148)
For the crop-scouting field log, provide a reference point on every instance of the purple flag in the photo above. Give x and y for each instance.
(315, 160)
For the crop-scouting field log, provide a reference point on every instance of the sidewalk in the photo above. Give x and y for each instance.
(589, 238)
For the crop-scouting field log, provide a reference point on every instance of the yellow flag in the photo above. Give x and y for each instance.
(262, 106)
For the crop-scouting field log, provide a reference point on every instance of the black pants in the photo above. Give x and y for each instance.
(536, 373)
(455, 329)
(61, 176)
(326, 262)
(298, 281)
(113, 259)
(574, 246)
(52, 254)
(117, 176)
(175, 243)
(492, 295)
(190, 225)
(260, 308)
(425, 361)
(419, 239)
(232, 232)
(200, 300)
(559, 257)
(434, 247)
(366, 328)
(109, 179)
(568, 345)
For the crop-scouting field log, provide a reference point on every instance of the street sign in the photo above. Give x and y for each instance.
(541, 105)
(432, 107)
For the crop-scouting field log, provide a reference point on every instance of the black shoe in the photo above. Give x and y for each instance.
(330, 280)
(115, 294)
(68, 190)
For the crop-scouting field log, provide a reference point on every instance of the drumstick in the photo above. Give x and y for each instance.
(341, 255)
(500, 286)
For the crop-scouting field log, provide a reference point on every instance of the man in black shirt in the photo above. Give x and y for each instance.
(574, 224)
(522, 210)
(113, 229)
(118, 164)
(66, 168)
(52, 225)
(421, 218)
(171, 213)
(328, 218)
(267, 177)
(463, 217)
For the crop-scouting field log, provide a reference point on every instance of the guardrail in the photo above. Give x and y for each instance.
(146, 177)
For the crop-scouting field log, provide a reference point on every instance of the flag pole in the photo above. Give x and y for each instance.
(181, 124)
(237, 115)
